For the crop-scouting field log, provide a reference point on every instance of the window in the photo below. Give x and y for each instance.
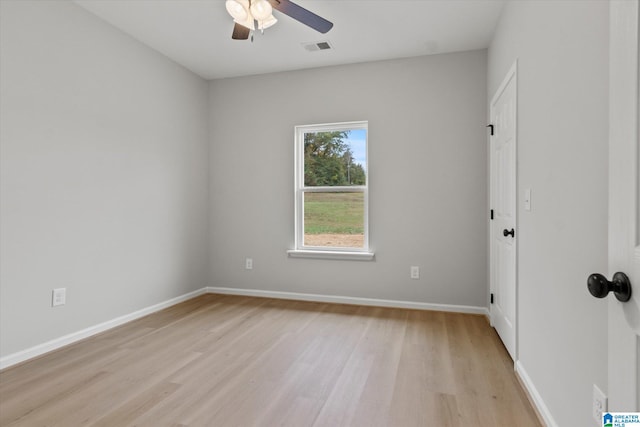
(331, 191)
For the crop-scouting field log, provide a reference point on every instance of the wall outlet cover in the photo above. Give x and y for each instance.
(58, 297)
(415, 272)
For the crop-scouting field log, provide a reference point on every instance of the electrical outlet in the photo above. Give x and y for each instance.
(248, 264)
(599, 404)
(58, 297)
(415, 272)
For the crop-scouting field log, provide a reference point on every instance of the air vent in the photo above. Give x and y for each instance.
(316, 46)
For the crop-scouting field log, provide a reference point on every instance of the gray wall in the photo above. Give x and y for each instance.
(428, 173)
(104, 180)
(562, 51)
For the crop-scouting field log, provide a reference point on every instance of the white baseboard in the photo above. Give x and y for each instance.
(542, 408)
(350, 300)
(54, 344)
(40, 349)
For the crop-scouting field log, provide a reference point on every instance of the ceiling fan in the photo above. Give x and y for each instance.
(249, 14)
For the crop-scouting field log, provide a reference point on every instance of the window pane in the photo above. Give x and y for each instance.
(335, 158)
(334, 220)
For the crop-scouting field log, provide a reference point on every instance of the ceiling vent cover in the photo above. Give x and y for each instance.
(316, 46)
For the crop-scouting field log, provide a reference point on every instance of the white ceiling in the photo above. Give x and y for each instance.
(197, 33)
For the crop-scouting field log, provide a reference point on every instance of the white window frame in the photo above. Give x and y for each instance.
(324, 252)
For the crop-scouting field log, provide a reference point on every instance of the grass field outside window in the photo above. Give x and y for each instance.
(334, 219)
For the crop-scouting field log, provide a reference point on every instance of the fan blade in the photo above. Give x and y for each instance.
(301, 14)
(240, 32)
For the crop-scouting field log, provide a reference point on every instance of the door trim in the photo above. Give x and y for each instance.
(512, 74)
(623, 372)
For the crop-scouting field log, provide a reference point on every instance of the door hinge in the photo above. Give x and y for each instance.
(491, 298)
(491, 127)
(491, 213)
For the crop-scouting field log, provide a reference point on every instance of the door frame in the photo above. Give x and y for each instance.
(624, 105)
(512, 74)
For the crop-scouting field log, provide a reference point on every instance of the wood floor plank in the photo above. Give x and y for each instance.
(141, 403)
(384, 342)
(424, 392)
(240, 361)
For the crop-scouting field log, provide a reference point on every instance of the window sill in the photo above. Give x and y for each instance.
(339, 255)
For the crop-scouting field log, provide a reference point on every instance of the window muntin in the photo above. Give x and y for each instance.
(331, 187)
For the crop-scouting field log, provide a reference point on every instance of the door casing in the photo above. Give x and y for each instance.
(624, 200)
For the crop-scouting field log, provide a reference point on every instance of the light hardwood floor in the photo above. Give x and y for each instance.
(238, 361)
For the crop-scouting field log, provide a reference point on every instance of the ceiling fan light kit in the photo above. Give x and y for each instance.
(238, 9)
(260, 9)
(266, 23)
(247, 13)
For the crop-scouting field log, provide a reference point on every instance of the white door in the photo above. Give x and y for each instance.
(624, 199)
(503, 204)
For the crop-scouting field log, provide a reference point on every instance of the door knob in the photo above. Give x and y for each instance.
(600, 287)
(511, 232)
